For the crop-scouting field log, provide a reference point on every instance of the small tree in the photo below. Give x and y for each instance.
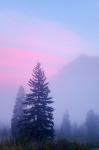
(92, 125)
(66, 126)
(38, 115)
(18, 112)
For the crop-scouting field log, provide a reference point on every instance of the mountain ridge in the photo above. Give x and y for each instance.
(75, 88)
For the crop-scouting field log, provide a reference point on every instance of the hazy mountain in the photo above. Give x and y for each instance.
(76, 88)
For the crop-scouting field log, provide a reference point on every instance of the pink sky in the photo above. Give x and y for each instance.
(23, 44)
(52, 32)
(17, 64)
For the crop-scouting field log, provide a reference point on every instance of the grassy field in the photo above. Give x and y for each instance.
(48, 145)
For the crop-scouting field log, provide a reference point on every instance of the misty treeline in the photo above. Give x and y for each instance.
(33, 120)
(88, 131)
(5, 132)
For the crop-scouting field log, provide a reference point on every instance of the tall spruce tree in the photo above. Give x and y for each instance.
(18, 112)
(38, 114)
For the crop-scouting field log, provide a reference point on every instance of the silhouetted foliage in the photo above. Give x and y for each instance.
(47, 145)
(38, 123)
(18, 112)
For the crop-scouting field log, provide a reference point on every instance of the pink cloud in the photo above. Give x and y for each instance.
(41, 36)
(16, 64)
(52, 38)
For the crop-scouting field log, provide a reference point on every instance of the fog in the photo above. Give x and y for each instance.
(74, 89)
(62, 37)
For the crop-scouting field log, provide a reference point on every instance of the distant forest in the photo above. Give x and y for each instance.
(33, 118)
